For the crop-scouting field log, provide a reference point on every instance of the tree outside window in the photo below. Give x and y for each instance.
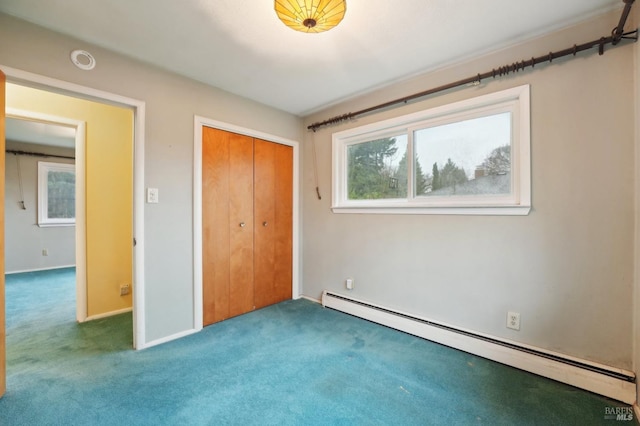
(471, 157)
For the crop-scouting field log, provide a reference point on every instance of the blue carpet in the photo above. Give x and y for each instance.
(294, 363)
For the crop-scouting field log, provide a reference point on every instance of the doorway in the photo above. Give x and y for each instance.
(137, 108)
(107, 201)
(35, 139)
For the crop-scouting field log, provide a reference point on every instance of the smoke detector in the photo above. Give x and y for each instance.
(83, 60)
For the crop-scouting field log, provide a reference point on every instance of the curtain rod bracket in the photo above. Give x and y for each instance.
(631, 35)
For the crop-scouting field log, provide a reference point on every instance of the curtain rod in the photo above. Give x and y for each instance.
(616, 36)
(37, 154)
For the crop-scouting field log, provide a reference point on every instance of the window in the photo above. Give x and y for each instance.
(56, 194)
(471, 157)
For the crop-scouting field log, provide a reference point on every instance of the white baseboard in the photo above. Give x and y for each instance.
(310, 299)
(108, 314)
(50, 268)
(608, 381)
(168, 339)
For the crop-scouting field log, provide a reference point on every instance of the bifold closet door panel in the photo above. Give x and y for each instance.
(265, 226)
(215, 225)
(241, 225)
(227, 203)
(284, 222)
(273, 173)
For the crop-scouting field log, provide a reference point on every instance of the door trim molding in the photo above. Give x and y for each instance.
(199, 123)
(38, 81)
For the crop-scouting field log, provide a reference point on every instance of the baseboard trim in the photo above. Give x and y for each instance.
(311, 299)
(611, 382)
(51, 268)
(168, 338)
(107, 314)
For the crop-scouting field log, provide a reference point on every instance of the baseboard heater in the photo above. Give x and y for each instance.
(611, 382)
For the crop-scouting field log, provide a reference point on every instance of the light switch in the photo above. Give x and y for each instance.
(152, 195)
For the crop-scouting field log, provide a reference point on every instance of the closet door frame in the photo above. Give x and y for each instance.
(199, 123)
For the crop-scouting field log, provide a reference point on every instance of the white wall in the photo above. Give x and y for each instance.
(24, 239)
(171, 103)
(567, 267)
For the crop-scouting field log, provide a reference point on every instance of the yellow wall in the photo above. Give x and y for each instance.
(109, 190)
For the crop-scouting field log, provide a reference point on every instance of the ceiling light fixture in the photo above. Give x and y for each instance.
(310, 16)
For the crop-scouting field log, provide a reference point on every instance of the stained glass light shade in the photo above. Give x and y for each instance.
(310, 16)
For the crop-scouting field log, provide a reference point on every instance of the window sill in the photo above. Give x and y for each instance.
(469, 211)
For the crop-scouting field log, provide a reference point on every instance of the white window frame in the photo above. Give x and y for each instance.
(518, 202)
(44, 168)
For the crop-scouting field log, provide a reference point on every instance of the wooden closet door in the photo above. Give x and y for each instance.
(227, 224)
(273, 186)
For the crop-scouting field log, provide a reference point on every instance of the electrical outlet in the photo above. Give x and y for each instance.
(349, 283)
(513, 320)
(152, 195)
(124, 289)
(45, 252)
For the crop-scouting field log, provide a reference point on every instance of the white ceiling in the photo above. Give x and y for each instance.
(241, 46)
